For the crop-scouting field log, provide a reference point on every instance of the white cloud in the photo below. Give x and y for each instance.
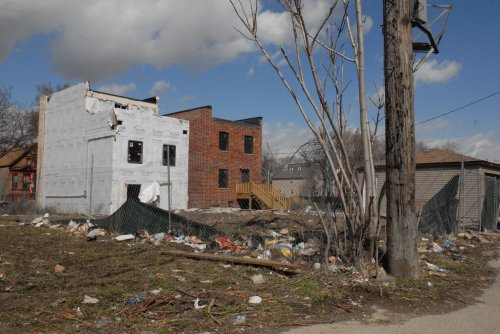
(484, 146)
(160, 87)
(284, 138)
(117, 89)
(251, 72)
(434, 72)
(439, 124)
(94, 40)
(367, 24)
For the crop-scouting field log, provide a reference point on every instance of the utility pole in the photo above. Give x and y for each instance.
(400, 139)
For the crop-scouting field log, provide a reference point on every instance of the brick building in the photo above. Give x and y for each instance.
(222, 153)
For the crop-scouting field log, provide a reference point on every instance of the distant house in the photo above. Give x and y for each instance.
(18, 174)
(222, 155)
(442, 189)
(97, 149)
(299, 179)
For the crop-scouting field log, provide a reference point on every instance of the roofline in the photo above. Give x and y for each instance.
(187, 110)
(478, 163)
(27, 150)
(152, 99)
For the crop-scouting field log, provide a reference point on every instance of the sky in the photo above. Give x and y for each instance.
(190, 54)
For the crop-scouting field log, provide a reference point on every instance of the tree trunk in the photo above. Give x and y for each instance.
(400, 140)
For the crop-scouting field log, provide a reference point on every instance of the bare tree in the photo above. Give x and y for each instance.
(314, 78)
(16, 124)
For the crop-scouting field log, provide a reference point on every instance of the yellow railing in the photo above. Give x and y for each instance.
(265, 192)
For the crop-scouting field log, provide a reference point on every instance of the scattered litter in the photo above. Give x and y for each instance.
(197, 306)
(92, 235)
(125, 237)
(240, 320)
(156, 291)
(317, 266)
(90, 300)
(58, 269)
(447, 243)
(435, 268)
(258, 279)
(134, 300)
(436, 248)
(255, 300)
(208, 281)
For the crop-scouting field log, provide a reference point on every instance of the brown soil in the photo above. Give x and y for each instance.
(35, 299)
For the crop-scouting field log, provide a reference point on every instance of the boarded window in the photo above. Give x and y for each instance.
(168, 155)
(223, 141)
(135, 152)
(223, 178)
(249, 144)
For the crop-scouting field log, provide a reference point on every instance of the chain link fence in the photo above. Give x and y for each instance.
(162, 197)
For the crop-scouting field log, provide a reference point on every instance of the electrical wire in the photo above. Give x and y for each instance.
(459, 108)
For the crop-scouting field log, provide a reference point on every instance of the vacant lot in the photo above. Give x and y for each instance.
(141, 289)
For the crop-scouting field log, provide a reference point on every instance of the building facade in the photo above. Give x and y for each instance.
(96, 149)
(222, 153)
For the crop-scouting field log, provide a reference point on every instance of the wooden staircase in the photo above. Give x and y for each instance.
(264, 194)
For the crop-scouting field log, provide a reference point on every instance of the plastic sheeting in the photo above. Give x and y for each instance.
(150, 193)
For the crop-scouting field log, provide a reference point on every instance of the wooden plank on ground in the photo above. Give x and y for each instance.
(235, 259)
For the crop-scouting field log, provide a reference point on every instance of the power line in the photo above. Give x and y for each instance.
(459, 108)
(451, 111)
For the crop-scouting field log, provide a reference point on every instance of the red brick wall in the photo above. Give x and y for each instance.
(205, 158)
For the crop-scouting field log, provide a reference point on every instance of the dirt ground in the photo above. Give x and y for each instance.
(142, 289)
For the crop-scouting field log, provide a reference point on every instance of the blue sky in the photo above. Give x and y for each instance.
(188, 54)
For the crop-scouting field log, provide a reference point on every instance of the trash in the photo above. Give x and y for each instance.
(155, 292)
(100, 323)
(90, 300)
(58, 269)
(447, 243)
(159, 236)
(79, 312)
(284, 231)
(208, 281)
(308, 251)
(240, 320)
(255, 300)
(73, 226)
(134, 300)
(197, 306)
(257, 279)
(125, 237)
(199, 247)
(285, 249)
(429, 284)
(436, 248)
(435, 268)
(92, 235)
(317, 266)
(225, 243)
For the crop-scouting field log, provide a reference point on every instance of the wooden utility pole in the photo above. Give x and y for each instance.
(400, 139)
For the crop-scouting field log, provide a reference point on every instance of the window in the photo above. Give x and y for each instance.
(26, 182)
(223, 141)
(249, 144)
(15, 181)
(168, 155)
(135, 152)
(223, 178)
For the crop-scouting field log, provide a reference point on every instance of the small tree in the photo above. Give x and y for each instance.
(314, 77)
(17, 124)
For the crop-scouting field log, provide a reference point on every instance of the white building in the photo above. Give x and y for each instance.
(95, 149)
